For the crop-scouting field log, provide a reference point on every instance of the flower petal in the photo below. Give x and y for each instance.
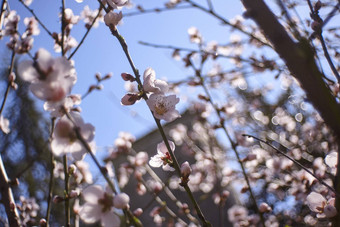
(315, 201)
(110, 219)
(155, 161)
(90, 213)
(92, 193)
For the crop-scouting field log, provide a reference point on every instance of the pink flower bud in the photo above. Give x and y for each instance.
(317, 6)
(186, 169)
(14, 86)
(72, 169)
(73, 194)
(138, 212)
(225, 194)
(129, 99)
(112, 18)
(315, 25)
(184, 209)
(42, 222)
(264, 208)
(98, 77)
(202, 97)
(193, 83)
(141, 158)
(107, 76)
(244, 189)
(128, 77)
(58, 199)
(251, 157)
(92, 87)
(157, 187)
(12, 206)
(11, 77)
(121, 201)
(330, 211)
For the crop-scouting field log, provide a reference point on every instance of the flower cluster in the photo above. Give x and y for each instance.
(318, 204)
(19, 43)
(29, 209)
(112, 18)
(89, 15)
(161, 105)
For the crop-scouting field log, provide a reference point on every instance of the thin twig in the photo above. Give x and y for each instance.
(318, 33)
(295, 162)
(156, 10)
(310, 6)
(215, 54)
(2, 9)
(86, 33)
(8, 84)
(66, 192)
(62, 27)
(210, 5)
(51, 183)
(37, 19)
(329, 60)
(7, 198)
(328, 18)
(331, 14)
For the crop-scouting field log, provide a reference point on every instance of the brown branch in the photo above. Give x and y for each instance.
(8, 198)
(2, 10)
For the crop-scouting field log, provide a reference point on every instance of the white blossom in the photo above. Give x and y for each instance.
(163, 158)
(51, 78)
(98, 207)
(163, 107)
(324, 208)
(113, 18)
(4, 124)
(151, 84)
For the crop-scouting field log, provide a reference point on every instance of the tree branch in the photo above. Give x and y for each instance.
(8, 198)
